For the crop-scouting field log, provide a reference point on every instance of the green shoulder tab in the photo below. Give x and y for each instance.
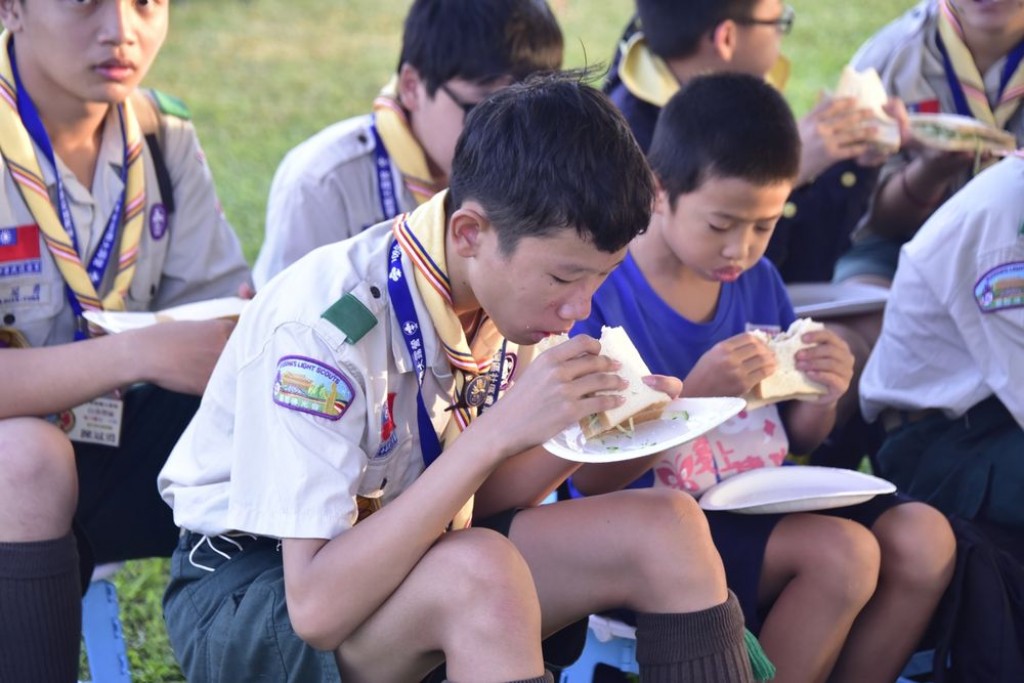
(351, 316)
(171, 105)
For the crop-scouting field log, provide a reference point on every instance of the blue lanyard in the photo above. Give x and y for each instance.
(386, 181)
(1013, 60)
(408, 322)
(101, 258)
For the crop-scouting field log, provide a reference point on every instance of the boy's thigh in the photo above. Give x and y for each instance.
(227, 624)
(119, 509)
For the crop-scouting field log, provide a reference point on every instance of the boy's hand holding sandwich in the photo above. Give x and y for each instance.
(732, 367)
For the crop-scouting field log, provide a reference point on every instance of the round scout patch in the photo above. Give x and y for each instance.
(158, 221)
(308, 386)
(474, 394)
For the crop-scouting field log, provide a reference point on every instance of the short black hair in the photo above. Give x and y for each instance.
(553, 153)
(480, 40)
(726, 125)
(674, 28)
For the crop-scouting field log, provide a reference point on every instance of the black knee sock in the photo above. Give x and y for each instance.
(702, 647)
(40, 611)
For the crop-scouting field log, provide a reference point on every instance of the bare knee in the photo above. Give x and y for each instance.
(846, 561)
(38, 481)
(918, 548)
(493, 587)
(672, 547)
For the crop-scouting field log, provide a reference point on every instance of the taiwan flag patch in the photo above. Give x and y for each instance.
(19, 250)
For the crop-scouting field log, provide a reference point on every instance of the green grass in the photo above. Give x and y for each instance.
(260, 76)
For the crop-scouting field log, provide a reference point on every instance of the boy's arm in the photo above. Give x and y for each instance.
(828, 362)
(333, 586)
(176, 355)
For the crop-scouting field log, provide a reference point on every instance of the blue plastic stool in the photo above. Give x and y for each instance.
(101, 629)
(609, 642)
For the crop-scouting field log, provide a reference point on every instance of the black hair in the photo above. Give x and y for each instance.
(480, 40)
(674, 28)
(726, 125)
(553, 153)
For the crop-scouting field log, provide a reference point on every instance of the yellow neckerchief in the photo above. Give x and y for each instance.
(20, 157)
(421, 235)
(648, 77)
(971, 80)
(393, 127)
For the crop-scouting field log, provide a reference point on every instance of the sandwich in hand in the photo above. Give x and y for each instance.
(642, 402)
(786, 383)
(955, 133)
(866, 88)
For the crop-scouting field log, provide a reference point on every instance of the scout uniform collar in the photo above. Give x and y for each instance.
(20, 127)
(967, 84)
(391, 127)
(420, 237)
(647, 76)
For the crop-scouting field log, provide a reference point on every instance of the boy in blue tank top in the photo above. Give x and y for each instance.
(844, 594)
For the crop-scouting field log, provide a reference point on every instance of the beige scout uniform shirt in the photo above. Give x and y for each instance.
(324, 191)
(907, 58)
(253, 461)
(953, 333)
(191, 255)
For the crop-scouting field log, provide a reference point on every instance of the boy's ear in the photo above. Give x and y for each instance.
(467, 226)
(723, 39)
(662, 206)
(409, 83)
(10, 14)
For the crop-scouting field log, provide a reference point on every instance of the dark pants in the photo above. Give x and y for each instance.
(120, 515)
(972, 467)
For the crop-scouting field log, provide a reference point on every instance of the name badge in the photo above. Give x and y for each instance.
(95, 422)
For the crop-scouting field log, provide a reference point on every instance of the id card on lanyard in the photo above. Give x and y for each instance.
(98, 421)
(478, 394)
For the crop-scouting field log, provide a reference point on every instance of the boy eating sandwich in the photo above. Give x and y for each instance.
(689, 292)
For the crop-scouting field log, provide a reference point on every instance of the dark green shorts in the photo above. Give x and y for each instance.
(227, 619)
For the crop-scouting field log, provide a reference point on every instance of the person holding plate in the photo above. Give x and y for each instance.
(844, 595)
(106, 204)
(360, 421)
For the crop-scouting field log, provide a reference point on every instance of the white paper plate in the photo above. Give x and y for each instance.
(684, 419)
(121, 321)
(830, 300)
(794, 488)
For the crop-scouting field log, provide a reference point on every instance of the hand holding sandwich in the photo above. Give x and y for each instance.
(828, 361)
(732, 367)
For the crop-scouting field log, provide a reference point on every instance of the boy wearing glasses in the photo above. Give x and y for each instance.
(361, 171)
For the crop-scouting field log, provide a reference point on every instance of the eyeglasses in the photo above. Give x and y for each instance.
(784, 23)
(465, 106)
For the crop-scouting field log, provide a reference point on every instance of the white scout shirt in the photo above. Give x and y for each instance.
(325, 190)
(953, 332)
(189, 255)
(908, 59)
(300, 415)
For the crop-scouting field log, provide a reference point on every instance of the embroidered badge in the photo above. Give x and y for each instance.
(1001, 288)
(158, 221)
(388, 434)
(309, 386)
(19, 251)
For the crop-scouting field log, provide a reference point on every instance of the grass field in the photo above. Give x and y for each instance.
(260, 76)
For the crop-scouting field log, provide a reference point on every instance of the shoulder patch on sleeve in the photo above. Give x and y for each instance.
(309, 386)
(351, 316)
(171, 105)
